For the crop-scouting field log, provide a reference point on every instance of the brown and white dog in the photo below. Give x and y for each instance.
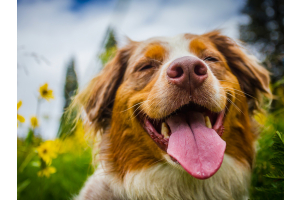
(174, 118)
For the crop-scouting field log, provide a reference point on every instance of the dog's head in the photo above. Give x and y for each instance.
(183, 100)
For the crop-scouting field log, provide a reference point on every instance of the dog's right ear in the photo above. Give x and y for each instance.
(98, 97)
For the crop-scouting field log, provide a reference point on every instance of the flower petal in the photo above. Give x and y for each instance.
(20, 118)
(19, 104)
(34, 122)
(46, 171)
(45, 92)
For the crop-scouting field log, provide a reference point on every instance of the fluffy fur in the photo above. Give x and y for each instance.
(130, 164)
(163, 181)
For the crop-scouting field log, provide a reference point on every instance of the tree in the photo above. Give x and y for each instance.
(111, 41)
(265, 32)
(110, 46)
(67, 123)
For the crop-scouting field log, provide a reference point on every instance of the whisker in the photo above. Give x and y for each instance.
(139, 111)
(233, 96)
(132, 106)
(211, 98)
(239, 91)
(235, 106)
(138, 107)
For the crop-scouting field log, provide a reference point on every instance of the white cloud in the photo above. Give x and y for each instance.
(50, 29)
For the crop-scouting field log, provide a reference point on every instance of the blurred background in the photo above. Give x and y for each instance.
(62, 44)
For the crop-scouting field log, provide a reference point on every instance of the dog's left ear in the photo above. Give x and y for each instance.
(253, 78)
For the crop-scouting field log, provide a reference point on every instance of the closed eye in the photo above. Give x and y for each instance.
(211, 59)
(145, 67)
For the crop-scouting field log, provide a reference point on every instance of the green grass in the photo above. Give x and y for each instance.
(72, 171)
(262, 187)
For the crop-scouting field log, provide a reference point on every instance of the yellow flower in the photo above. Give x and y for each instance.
(20, 117)
(34, 122)
(47, 151)
(76, 142)
(80, 134)
(46, 171)
(45, 92)
(67, 145)
(260, 118)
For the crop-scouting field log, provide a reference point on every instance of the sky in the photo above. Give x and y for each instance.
(51, 32)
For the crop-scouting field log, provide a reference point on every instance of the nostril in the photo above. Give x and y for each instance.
(175, 72)
(200, 69)
(179, 72)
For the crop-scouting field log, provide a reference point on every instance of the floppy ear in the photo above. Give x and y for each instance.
(253, 78)
(98, 97)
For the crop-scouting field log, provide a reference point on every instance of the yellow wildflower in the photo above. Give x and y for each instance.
(67, 145)
(34, 122)
(80, 134)
(47, 151)
(260, 118)
(45, 92)
(20, 117)
(46, 171)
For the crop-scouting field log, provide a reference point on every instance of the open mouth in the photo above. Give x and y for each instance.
(191, 135)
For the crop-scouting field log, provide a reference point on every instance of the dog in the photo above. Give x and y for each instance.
(173, 119)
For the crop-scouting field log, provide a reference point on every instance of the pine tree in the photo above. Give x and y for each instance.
(111, 41)
(110, 47)
(67, 123)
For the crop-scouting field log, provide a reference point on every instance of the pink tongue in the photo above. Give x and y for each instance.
(198, 149)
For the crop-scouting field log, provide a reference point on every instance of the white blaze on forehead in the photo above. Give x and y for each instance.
(177, 47)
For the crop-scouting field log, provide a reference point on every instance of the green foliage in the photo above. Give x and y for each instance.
(110, 47)
(72, 170)
(111, 41)
(67, 122)
(278, 158)
(278, 94)
(22, 186)
(108, 55)
(29, 137)
(268, 174)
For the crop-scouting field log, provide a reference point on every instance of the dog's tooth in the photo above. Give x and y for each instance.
(164, 130)
(207, 122)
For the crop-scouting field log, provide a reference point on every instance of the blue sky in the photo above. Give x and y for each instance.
(50, 32)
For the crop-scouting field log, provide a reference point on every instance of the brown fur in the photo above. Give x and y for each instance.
(156, 52)
(123, 90)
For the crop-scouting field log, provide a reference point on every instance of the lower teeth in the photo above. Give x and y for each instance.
(165, 130)
(207, 122)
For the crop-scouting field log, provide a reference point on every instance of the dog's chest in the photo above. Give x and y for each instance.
(167, 182)
(163, 181)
